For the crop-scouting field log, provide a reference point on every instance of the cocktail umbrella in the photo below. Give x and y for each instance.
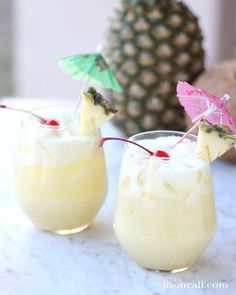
(91, 68)
(200, 104)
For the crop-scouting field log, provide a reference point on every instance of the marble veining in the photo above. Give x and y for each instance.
(33, 262)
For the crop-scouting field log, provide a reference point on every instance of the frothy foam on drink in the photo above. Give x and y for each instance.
(183, 165)
(55, 145)
(186, 148)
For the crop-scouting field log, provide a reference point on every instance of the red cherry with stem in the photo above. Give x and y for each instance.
(3, 106)
(50, 122)
(159, 154)
(103, 139)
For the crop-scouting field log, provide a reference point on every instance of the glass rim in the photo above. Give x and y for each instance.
(161, 131)
(178, 133)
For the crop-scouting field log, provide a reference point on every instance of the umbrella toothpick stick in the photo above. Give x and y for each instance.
(78, 100)
(199, 118)
(187, 133)
(86, 83)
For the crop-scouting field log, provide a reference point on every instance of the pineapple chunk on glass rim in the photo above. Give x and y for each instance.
(214, 140)
(95, 111)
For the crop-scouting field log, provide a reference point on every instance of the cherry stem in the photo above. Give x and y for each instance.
(24, 111)
(103, 139)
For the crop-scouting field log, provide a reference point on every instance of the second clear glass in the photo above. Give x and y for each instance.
(164, 215)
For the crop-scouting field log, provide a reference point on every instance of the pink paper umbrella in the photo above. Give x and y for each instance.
(200, 104)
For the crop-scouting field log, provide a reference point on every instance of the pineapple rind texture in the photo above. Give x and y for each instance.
(150, 48)
(95, 111)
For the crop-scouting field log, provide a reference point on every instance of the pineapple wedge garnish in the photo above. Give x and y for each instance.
(214, 140)
(95, 111)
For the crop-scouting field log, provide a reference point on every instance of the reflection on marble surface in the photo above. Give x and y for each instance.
(92, 262)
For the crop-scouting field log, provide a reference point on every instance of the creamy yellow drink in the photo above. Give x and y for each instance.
(164, 215)
(61, 177)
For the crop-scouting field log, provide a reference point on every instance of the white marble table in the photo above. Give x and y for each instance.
(34, 262)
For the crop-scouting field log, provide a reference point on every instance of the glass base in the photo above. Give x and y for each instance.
(72, 231)
(169, 271)
(174, 270)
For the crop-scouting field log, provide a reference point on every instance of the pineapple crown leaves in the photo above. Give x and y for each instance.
(147, 2)
(98, 99)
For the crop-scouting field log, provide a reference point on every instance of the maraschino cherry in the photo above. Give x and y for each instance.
(48, 122)
(51, 122)
(161, 154)
(158, 153)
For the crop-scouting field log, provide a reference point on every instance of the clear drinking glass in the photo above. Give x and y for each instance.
(60, 176)
(165, 215)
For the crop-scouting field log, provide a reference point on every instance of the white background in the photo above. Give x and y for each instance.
(45, 30)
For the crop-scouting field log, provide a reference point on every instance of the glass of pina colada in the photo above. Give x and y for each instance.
(60, 174)
(165, 215)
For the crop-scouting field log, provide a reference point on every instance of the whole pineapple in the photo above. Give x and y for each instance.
(152, 44)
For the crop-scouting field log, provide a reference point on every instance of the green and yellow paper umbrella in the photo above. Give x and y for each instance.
(92, 68)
